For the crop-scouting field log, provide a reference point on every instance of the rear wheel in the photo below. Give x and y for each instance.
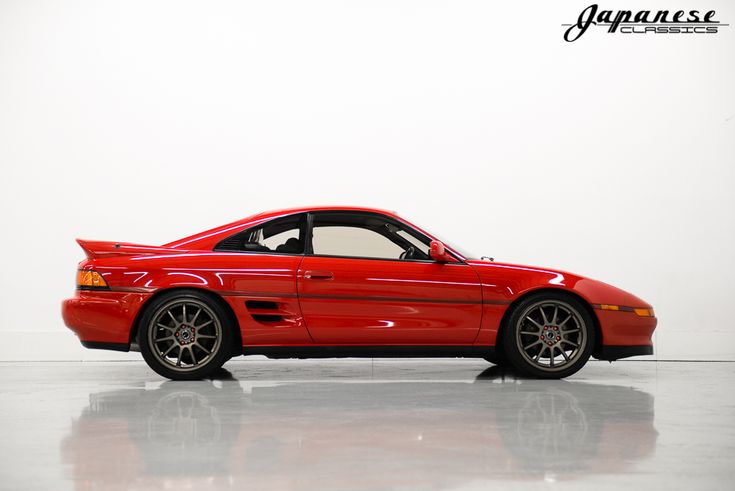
(549, 335)
(184, 335)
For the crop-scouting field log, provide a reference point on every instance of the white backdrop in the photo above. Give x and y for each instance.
(612, 156)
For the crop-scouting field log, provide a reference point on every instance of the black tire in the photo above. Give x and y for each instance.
(549, 335)
(185, 345)
(497, 358)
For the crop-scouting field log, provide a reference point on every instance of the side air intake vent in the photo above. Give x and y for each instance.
(265, 311)
(261, 304)
(267, 317)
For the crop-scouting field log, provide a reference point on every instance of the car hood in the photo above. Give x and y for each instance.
(513, 280)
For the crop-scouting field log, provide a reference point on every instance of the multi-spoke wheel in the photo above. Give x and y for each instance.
(184, 335)
(549, 335)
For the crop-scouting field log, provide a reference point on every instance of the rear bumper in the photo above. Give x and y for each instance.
(106, 346)
(104, 319)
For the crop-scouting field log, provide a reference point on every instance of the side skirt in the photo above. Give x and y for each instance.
(371, 351)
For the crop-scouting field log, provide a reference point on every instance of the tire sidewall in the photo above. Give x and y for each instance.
(216, 360)
(510, 340)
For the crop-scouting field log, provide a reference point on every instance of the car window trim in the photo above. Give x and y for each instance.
(309, 249)
(304, 217)
(402, 224)
(426, 261)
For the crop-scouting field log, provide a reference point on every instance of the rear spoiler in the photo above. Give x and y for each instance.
(98, 248)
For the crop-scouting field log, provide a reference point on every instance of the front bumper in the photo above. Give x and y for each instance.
(102, 318)
(612, 353)
(624, 334)
(625, 328)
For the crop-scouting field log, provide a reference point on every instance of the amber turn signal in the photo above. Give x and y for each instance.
(620, 308)
(644, 312)
(88, 279)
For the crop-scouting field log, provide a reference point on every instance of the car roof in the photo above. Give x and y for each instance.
(208, 238)
(304, 209)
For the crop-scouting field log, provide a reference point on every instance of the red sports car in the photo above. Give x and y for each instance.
(342, 282)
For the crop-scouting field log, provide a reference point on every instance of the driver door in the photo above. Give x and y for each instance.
(353, 288)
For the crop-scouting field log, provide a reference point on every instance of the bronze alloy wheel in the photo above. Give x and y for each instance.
(550, 336)
(185, 336)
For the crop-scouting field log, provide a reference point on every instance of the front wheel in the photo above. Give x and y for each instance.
(185, 335)
(549, 335)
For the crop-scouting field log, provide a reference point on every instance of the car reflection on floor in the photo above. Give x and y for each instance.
(331, 434)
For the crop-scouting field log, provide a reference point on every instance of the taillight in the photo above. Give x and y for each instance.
(89, 279)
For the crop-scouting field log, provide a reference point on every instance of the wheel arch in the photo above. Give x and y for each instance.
(236, 348)
(539, 292)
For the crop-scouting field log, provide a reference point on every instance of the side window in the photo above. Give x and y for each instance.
(274, 241)
(283, 235)
(353, 241)
(364, 235)
(418, 244)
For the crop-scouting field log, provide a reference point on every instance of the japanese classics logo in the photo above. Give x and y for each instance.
(643, 22)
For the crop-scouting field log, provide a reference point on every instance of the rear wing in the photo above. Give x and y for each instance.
(97, 248)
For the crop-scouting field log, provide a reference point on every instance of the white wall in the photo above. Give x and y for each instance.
(612, 156)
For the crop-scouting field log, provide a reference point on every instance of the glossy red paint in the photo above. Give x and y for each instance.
(438, 253)
(329, 301)
(390, 302)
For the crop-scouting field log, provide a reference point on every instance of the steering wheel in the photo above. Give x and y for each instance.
(408, 253)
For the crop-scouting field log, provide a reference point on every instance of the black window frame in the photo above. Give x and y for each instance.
(308, 219)
(388, 219)
(303, 224)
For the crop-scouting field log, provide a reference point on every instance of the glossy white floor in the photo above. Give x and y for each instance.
(367, 425)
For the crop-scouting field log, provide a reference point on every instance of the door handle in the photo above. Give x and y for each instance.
(318, 275)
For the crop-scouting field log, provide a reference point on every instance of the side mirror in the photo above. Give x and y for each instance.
(438, 254)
